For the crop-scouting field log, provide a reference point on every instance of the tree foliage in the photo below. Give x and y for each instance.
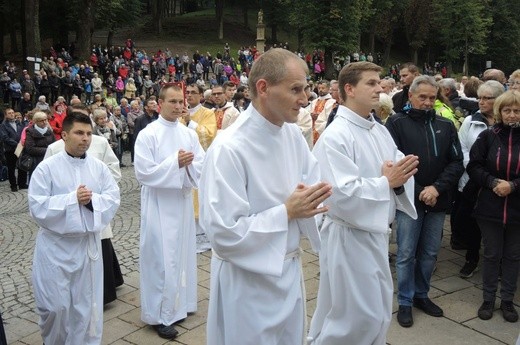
(463, 26)
(454, 31)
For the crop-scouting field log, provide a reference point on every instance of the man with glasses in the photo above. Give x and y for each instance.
(225, 112)
(321, 107)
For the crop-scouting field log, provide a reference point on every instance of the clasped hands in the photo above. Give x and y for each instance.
(185, 158)
(304, 201)
(502, 189)
(84, 195)
(398, 173)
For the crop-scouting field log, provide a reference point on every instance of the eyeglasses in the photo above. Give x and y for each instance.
(508, 111)
(485, 99)
(514, 83)
(192, 93)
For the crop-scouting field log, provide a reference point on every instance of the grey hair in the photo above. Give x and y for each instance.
(98, 112)
(494, 87)
(448, 83)
(423, 79)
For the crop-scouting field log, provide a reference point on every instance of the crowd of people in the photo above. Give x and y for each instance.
(354, 157)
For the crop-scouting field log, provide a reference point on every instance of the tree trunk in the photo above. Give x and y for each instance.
(274, 33)
(244, 13)
(372, 41)
(14, 41)
(300, 39)
(157, 16)
(2, 34)
(110, 38)
(465, 66)
(329, 65)
(32, 46)
(174, 7)
(219, 12)
(388, 48)
(85, 25)
(415, 56)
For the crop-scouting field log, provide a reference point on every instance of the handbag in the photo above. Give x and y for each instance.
(25, 162)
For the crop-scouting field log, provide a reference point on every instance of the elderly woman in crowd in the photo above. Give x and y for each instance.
(42, 104)
(39, 135)
(494, 166)
(104, 128)
(385, 108)
(121, 132)
(514, 80)
(462, 223)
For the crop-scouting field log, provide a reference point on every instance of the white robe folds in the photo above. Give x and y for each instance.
(67, 265)
(355, 292)
(256, 286)
(99, 148)
(168, 262)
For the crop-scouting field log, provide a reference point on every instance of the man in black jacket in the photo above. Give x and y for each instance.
(419, 131)
(10, 133)
(407, 72)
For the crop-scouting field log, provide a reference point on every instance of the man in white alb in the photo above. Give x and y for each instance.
(260, 188)
(168, 160)
(370, 179)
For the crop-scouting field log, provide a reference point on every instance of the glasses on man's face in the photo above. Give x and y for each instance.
(192, 93)
(485, 99)
(508, 111)
(514, 83)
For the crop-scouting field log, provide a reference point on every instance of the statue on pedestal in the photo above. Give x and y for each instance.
(260, 16)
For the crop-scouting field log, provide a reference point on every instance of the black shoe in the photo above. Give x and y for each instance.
(166, 332)
(468, 269)
(23, 187)
(14, 189)
(485, 312)
(508, 311)
(426, 305)
(404, 316)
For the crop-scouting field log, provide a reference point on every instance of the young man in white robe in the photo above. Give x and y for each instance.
(168, 160)
(100, 149)
(260, 190)
(370, 179)
(72, 197)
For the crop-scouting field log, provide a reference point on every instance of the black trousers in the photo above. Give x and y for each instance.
(466, 227)
(501, 250)
(10, 160)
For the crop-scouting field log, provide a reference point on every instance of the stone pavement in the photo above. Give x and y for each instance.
(458, 297)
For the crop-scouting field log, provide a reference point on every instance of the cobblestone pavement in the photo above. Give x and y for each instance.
(458, 297)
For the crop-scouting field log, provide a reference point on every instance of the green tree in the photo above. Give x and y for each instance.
(504, 38)
(417, 22)
(463, 27)
(334, 26)
(114, 14)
